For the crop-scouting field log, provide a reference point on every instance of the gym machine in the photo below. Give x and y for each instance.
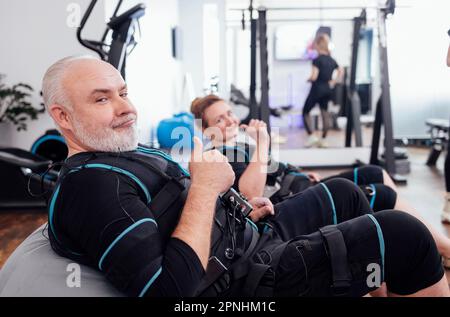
(123, 29)
(392, 159)
(28, 175)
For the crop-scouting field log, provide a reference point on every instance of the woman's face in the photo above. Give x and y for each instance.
(222, 124)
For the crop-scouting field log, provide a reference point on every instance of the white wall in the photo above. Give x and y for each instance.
(35, 35)
(192, 39)
(153, 75)
(418, 44)
(191, 26)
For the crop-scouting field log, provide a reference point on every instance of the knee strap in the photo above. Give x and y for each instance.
(337, 251)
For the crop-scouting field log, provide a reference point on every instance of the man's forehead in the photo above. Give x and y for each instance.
(93, 74)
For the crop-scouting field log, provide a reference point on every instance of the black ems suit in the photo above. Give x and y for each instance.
(117, 211)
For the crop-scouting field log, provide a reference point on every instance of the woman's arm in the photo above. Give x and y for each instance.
(337, 77)
(448, 56)
(253, 180)
(314, 74)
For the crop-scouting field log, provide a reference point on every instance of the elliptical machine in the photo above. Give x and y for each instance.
(28, 175)
(123, 29)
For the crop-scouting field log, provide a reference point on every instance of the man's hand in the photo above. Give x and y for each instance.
(257, 130)
(262, 207)
(210, 170)
(211, 174)
(314, 177)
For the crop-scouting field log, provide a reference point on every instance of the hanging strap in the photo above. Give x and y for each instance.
(285, 186)
(168, 194)
(337, 251)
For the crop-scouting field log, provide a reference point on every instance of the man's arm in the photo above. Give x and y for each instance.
(103, 213)
(211, 174)
(194, 227)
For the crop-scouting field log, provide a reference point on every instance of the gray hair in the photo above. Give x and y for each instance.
(52, 89)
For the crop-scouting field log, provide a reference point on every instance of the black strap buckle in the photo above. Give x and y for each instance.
(337, 251)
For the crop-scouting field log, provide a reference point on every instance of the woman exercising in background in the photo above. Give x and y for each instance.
(323, 82)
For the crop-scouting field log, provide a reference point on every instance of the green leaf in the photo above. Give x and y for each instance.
(19, 108)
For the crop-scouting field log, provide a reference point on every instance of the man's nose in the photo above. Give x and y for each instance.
(124, 106)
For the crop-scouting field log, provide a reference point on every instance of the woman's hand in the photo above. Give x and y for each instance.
(314, 177)
(262, 207)
(332, 83)
(257, 130)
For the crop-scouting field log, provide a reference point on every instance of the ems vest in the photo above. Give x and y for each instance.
(163, 185)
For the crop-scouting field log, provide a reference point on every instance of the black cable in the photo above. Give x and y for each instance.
(42, 178)
(43, 231)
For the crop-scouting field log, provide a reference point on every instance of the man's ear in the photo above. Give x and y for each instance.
(61, 116)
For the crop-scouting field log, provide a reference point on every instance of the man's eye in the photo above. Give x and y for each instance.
(124, 95)
(101, 100)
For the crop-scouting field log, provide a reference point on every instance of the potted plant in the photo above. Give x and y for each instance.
(15, 106)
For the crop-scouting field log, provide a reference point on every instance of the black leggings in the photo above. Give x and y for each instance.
(400, 244)
(396, 244)
(330, 202)
(371, 181)
(369, 178)
(321, 96)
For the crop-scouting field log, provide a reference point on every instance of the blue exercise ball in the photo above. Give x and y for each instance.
(177, 130)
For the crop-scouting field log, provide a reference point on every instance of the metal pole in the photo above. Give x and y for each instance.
(264, 110)
(254, 111)
(386, 97)
(354, 104)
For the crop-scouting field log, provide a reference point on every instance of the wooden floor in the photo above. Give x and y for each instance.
(15, 226)
(425, 191)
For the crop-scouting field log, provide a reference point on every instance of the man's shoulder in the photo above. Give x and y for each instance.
(91, 179)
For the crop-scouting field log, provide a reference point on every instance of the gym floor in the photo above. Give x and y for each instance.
(425, 190)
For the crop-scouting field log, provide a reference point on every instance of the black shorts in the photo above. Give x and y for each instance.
(330, 202)
(369, 178)
(305, 267)
(364, 175)
(390, 246)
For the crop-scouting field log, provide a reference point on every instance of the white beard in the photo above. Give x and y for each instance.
(106, 139)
